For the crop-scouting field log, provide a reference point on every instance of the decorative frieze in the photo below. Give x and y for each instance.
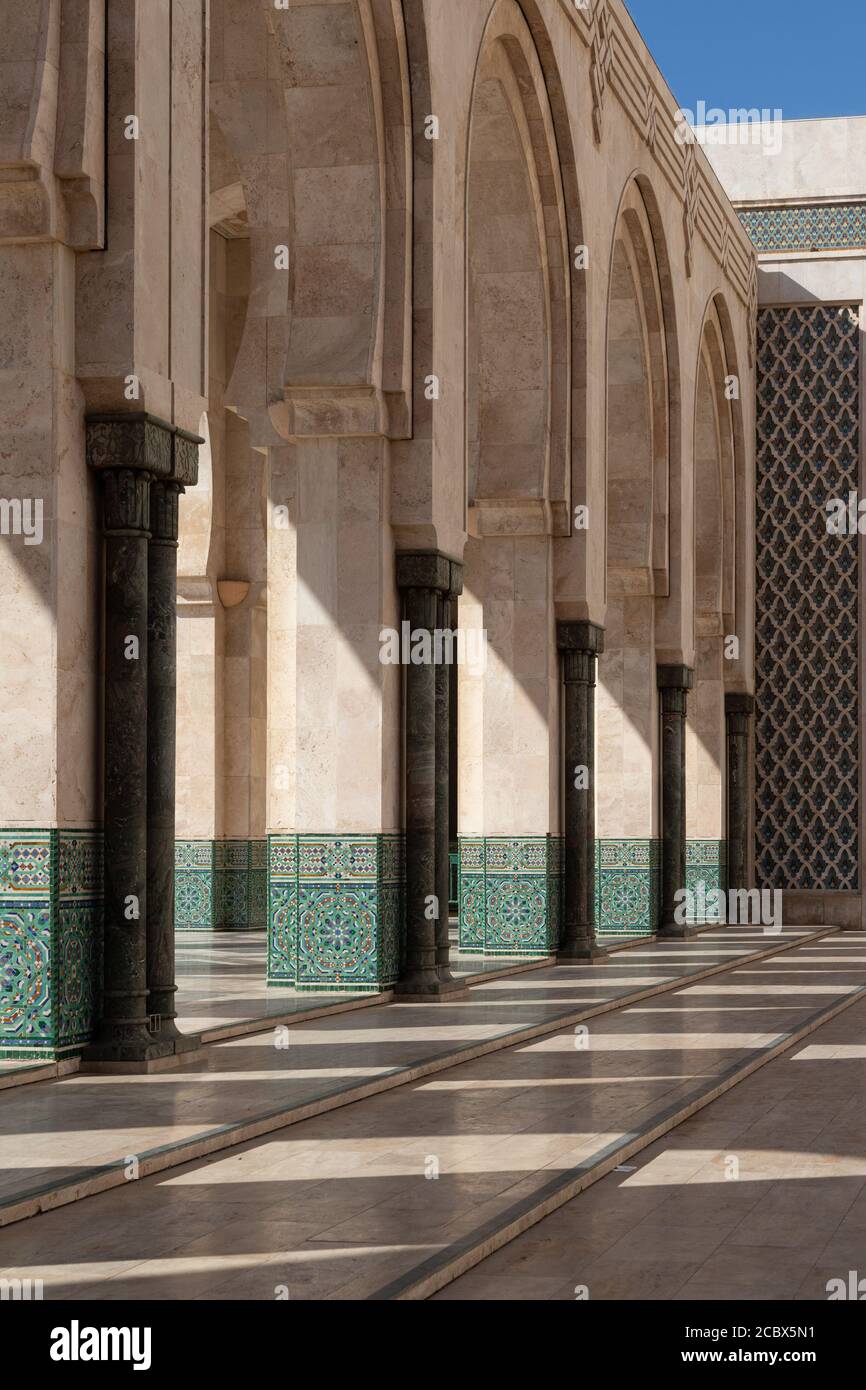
(807, 227)
(619, 69)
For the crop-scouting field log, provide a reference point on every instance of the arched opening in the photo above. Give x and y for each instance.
(518, 432)
(716, 638)
(637, 577)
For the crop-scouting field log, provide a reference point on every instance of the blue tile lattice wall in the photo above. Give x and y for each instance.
(335, 911)
(51, 899)
(220, 885)
(510, 895)
(807, 602)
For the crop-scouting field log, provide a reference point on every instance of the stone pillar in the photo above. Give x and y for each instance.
(579, 643)
(444, 716)
(162, 737)
(674, 683)
(128, 453)
(739, 712)
(423, 578)
(143, 464)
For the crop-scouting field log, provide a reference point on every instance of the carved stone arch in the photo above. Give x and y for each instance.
(638, 409)
(321, 134)
(52, 166)
(716, 587)
(348, 114)
(715, 520)
(742, 501)
(519, 313)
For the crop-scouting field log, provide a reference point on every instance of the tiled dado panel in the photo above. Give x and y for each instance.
(807, 227)
(221, 885)
(627, 883)
(807, 603)
(335, 911)
(50, 939)
(706, 871)
(510, 895)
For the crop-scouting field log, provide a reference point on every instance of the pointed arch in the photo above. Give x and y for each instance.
(321, 136)
(519, 293)
(642, 390)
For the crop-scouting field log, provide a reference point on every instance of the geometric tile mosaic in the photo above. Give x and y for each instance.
(706, 872)
(335, 911)
(807, 751)
(510, 895)
(50, 940)
(220, 885)
(627, 885)
(815, 227)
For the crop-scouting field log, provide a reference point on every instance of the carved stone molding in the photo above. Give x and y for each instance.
(602, 58)
(691, 195)
(143, 442)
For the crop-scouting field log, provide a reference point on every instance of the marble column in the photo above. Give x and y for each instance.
(444, 716)
(128, 453)
(739, 712)
(580, 643)
(423, 578)
(162, 736)
(674, 683)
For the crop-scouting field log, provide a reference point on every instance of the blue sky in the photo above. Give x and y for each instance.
(803, 56)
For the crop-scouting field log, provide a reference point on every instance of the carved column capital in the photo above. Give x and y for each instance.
(142, 443)
(580, 643)
(424, 569)
(674, 683)
(137, 442)
(425, 578)
(739, 711)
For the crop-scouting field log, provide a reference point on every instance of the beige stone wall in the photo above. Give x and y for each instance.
(606, 357)
(508, 711)
(388, 343)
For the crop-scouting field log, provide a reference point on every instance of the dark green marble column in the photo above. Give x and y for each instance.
(423, 577)
(739, 712)
(128, 453)
(580, 644)
(674, 683)
(162, 737)
(444, 715)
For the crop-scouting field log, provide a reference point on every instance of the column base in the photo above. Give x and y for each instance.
(584, 951)
(422, 987)
(153, 1052)
(180, 1042)
(674, 931)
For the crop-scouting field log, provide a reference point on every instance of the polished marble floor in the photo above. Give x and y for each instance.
(60, 1131)
(222, 982)
(761, 1196)
(340, 1205)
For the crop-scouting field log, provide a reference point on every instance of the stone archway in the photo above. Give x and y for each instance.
(637, 575)
(518, 431)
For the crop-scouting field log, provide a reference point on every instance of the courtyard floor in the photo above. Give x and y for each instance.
(462, 1165)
